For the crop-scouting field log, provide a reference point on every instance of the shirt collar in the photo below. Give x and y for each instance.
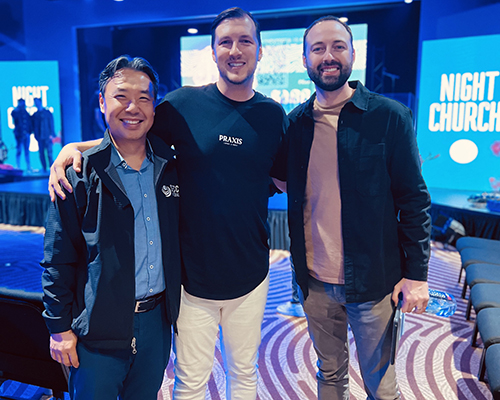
(361, 95)
(117, 159)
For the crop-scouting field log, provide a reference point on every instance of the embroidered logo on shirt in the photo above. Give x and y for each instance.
(171, 190)
(230, 140)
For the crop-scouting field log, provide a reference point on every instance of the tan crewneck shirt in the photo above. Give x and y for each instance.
(322, 214)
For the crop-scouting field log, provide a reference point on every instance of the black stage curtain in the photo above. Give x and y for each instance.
(476, 223)
(278, 225)
(23, 209)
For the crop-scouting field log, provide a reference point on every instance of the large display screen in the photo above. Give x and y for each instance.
(27, 80)
(459, 113)
(280, 73)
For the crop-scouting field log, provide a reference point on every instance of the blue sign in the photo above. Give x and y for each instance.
(458, 129)
(28, 80)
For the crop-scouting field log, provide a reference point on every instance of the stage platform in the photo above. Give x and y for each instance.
(478, 222)
(26, 203)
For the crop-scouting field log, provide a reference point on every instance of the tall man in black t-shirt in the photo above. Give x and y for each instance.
(227, 137)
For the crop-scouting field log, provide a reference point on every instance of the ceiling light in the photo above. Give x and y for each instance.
(193, 31)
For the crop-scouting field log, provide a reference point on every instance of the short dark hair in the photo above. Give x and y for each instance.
(326, 18)
(125, 61)
(234, 13)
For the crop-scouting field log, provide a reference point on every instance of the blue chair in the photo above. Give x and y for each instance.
(480, 273)
(477, 243)
(492, 361)
(483, 295)
(488, 326)
(472, 255)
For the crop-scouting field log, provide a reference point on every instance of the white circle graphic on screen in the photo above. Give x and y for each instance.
(463, 151)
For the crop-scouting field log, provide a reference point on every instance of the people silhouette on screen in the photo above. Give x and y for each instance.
(22, 131)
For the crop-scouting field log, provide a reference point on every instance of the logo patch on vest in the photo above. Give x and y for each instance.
(230, 140)
(170, 190)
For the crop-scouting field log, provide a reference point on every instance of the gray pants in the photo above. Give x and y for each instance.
(371, 323)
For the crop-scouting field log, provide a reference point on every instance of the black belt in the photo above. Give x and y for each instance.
(149, 303)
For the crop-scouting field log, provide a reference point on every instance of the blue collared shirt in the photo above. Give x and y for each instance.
(140, 189)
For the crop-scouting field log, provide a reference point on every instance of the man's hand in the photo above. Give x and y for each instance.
(415, 295)
(69, 154)
(63, 348)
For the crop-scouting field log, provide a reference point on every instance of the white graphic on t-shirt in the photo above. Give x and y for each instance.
(230, 140)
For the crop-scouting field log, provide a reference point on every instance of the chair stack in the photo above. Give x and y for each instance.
(24, 343)
(481, 263)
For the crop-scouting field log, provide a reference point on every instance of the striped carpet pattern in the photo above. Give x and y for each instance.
(435, 359)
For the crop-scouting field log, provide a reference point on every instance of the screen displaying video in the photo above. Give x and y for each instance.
(280, 73)
(459, 113)
(28, 80)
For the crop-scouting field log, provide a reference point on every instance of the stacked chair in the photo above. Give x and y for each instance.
(475, 250)
(492, 362)
(481, 263)
(24, 343)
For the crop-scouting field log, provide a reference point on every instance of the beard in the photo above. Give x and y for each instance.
(329, 83)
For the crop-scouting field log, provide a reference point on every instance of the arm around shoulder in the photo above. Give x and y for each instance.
(70, 154)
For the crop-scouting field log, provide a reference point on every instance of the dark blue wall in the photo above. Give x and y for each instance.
(50, 31)
(46, 29)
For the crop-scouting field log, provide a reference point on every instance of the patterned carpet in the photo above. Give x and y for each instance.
(435, 359)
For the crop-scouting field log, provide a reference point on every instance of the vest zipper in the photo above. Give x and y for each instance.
(133, 345)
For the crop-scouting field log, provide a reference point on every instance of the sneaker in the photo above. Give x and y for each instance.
(291, 309)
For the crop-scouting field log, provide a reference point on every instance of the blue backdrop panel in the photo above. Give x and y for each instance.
(459, 113)
(28, 79)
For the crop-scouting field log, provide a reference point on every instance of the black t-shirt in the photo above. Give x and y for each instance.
(225, 153)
